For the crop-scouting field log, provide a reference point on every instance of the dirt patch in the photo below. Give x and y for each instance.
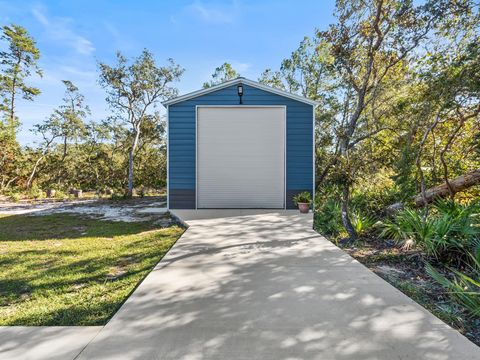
(144, 209)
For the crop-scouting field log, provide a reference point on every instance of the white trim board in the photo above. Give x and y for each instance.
(314, 155)
(168, 160)
(244, 81)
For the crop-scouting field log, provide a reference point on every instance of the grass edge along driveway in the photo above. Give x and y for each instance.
(63, 269)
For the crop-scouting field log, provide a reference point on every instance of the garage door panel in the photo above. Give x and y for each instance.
(240, 157)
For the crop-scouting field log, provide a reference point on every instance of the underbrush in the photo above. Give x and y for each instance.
(448, 232)
(60, 193)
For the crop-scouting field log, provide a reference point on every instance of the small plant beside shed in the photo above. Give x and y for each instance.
(303, 200)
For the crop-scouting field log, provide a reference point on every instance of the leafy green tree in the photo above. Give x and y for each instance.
(450, 72)
(73, 113)
(133, 90)
(385, 72)
(17, 63)
(151, 167)
(65, 125)
(309, 72)
(50, 130)
(272, 78)
(222, 73)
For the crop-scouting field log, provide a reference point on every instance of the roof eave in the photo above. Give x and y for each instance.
(252, 83)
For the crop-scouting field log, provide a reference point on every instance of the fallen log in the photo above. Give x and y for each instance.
(457, 184)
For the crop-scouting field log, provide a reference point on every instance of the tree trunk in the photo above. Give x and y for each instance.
(347, 224)
(131, 157)
(34, 170)
(11, 109)
(130, 174)
(457, 184)
(44, 153)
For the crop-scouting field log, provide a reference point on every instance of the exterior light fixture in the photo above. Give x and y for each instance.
(240, 92)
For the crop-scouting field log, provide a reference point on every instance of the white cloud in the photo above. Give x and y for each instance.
(60, 29)
(214, 14)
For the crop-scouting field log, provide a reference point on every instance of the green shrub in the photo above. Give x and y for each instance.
(59, 194)
(448, 232)
(14, 196)
(373, 193)
(464, 288)
(374, 204)
(408, 226)
(35, 192)
(117, 196)
(328, 218)
(361, 222)
(142, 192)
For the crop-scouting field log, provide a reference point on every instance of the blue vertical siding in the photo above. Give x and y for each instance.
(181, 128)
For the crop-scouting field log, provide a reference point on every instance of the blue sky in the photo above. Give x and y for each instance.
(73, 36)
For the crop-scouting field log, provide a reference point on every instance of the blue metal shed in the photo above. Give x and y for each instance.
(239, 144)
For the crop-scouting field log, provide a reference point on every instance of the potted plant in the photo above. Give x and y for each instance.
(303, 201)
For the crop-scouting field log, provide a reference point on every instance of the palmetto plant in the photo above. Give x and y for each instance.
(448, 231)
(361, 222)
(328, 218)
(463, 289)
(408, 228)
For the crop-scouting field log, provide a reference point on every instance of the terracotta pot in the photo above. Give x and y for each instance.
(304, 207)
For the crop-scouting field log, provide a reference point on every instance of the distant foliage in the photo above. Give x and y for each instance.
(222, 73)
(73, 150)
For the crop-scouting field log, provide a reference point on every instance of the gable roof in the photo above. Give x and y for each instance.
(239, 80)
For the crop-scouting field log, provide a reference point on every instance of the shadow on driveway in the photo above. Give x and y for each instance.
(266, 287)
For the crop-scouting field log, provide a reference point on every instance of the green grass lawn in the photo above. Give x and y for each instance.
(67, 270)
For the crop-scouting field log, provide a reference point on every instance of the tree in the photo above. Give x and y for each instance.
(370, 41)
(66, 124)
(72, 114)
(428, 196)
(133, 90)
(309, 72)
(222, 73)
(151, 166)
(272, 78)
(381, 85)
(17, 63)
(451, 75)
(50, 130)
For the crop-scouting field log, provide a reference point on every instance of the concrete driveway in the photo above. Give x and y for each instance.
(266, 286)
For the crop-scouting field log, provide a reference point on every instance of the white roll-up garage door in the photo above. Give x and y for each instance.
(240, 157)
